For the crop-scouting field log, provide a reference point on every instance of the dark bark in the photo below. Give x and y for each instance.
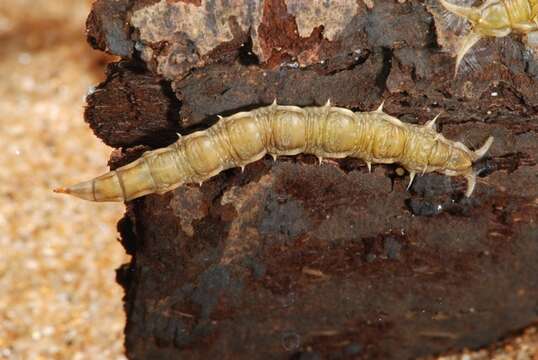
(107, 27)
(292, 259)
(133, 107)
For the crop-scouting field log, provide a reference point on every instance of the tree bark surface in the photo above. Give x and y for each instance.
(295, 260)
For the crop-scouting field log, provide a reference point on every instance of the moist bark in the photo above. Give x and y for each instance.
(292, 259)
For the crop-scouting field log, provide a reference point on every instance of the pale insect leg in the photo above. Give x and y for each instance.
(412, 175)
(466, 44)
(455, 23)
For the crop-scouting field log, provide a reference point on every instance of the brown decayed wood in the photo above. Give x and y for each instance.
(132, 107)
(107, 27)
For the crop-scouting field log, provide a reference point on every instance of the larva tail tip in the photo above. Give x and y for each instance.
(62, 190)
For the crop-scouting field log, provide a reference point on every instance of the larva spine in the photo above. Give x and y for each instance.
(496, 18)
(245, 137)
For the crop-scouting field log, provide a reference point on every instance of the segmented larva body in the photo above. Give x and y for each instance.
(245, 137)
(496, 18)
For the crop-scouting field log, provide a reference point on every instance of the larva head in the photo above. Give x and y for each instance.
(462, 158)
(461, 162)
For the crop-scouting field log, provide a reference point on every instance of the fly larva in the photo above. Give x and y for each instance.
(496, 18)
(245, 137)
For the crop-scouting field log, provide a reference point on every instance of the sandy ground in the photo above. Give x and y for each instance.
(58, 296)
(58, 255)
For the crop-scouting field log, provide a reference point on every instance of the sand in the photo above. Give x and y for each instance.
(58, 255)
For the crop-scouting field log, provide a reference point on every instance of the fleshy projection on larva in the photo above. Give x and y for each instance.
(497, 18)
(245, 137)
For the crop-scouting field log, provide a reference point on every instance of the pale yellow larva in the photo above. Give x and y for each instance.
(245, 137)
(496, 18)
